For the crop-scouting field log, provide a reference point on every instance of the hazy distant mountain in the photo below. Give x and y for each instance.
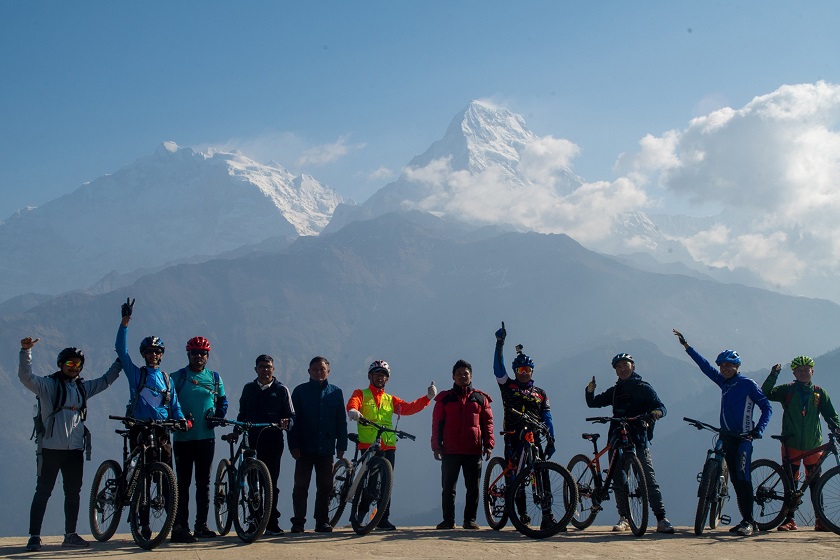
(420, 292)
(175, 204)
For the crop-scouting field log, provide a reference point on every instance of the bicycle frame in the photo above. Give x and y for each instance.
(620, 445)
(799, 487)
(359, 464)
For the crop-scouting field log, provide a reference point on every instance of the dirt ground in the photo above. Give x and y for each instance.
(426, 542)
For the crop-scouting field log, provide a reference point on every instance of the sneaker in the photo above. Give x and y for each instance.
(34, 544)
(664, 526)
(204, 532)
(622, 526)
(819, 526)
(73, 540)
(386, 525)
(182, 535)
(323, 528)
(297, 528)
(746, 529)
(273, 530)
(788, 525)
(469, 526)
(444, 525)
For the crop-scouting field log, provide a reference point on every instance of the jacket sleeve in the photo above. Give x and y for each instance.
(34, 383)
(404, 408)
(653, 401)
(340, 425)
(766, 410)
(772, 392)
(294, 432)
(95, 386)
(289, 408)
(486, 422)
(355, 401)
(705, 367)
(828, 412)
(599, 401)
(438, 420)
(499, 365)
(243, 405)
(175, 404)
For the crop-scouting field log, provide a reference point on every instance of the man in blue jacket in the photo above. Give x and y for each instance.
(739, 397)
(319, 434)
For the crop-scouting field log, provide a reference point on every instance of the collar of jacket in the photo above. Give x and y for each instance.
(462, 390)
(321, 384)
(376, 392)
(633, 377)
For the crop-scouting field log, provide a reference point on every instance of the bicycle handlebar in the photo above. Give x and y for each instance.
(128, 421)
(244, 425)
(720, 431)
(534, 422)
(605, 419)
(399, 433)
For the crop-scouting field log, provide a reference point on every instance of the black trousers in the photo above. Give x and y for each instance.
(323, 486)
(450, 466)
(70, 463)
(270, 453)
(391, 456)
(189, 455)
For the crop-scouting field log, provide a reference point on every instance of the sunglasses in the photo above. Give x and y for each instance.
(198, 352)
(154, 351)
(524, 369)
(73, 363)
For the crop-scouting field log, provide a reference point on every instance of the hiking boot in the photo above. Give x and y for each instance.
(746, 529)
(323, 528)
(73, 540)
(297, 528)
(204, 532)
(622, 526)
(386, 525)
(273, 530)
(469, 526)
(34, 544)
(664, 526)
(788, 525)
(181, 535)
(444, 525)
(820, 526)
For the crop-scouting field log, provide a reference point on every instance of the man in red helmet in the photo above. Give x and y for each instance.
(200, 392)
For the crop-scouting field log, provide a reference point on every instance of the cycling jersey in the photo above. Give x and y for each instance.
(802, 404)
(377, 405)
(630, 397)
(524, 397)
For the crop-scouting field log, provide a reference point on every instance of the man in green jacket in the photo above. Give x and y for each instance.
(803, 402)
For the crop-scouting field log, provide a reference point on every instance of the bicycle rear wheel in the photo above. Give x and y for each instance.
(542, 500)
(223, 496)
(495, 491)
(372, 496)
(718, 499)
(636, 497)
(106, 503)
(588, 487)
(153, 506)
(771, 489)
(342, 479)
(253, 500)
(827, 507)
(706, 493)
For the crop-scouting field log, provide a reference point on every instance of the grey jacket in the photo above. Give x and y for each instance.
(65, 430)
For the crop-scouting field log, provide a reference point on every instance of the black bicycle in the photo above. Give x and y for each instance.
(143, 483)
(625, 476)
(367, 481)
(714, 483)
(243, 490)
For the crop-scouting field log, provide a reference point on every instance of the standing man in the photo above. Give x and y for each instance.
(201, 394)
(739, 396)
(319, 434)
(61, 436)
(266, 399)
(802, 402)
(462, 431)
(378, 406)
(633, 397)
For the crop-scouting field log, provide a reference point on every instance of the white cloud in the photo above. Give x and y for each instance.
(380, 174)
(327, 153)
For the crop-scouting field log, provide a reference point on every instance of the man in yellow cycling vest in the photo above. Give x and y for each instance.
(376, 405)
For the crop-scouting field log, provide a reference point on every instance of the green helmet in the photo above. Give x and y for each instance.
(801, 361)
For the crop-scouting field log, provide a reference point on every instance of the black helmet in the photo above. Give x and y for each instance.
(622, 358)
(151, 342)
(68, 354)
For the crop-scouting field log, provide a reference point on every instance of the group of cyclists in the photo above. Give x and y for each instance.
(314, 418)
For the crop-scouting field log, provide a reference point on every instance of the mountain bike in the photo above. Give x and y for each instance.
(243, 491)
(143, 483)
(777, 492)
(624, 475)
(366, 482)
(714, 484)
(538, 496)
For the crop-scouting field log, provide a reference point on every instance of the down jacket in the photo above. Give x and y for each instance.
(462, 422)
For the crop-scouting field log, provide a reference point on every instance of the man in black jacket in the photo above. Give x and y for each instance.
(319, 434)
(632, 397)
(265, 399)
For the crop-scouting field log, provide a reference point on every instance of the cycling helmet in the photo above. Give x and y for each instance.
(728, 356)
(380, 366)
(522, 360)
(69, 354)
(151, 342)
(622, 358)
(198, 343)
(801, 361)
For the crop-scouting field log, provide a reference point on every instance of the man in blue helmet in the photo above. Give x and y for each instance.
(519, 393)
(630, 397)
(739, 397)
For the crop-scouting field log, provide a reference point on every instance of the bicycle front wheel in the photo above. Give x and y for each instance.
(153, 506)
(719, 497)
(636, 496)
(588, 487)
(706, 493)
(106, 502)
(827, 507)
(771, 489)
(342, 479)
(495, 491)
(253, 500)
(223, 497)
(542, 500)
(372, 496)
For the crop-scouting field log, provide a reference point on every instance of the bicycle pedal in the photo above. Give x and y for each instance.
(725, 520)
(699, 476)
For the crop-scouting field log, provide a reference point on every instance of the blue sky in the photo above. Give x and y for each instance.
(349, 92)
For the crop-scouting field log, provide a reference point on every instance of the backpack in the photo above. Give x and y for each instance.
(183, 381)
(39, 429)
(819, 396)
(131, 408)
